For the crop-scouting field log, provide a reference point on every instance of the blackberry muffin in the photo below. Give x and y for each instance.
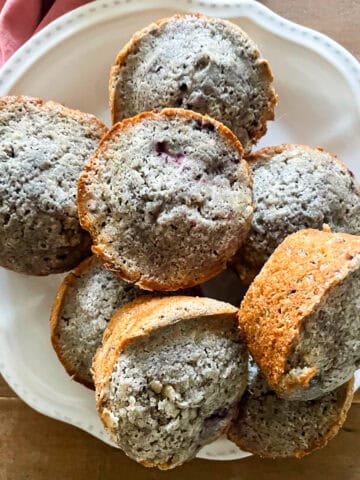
(198, 63)
(167, 199)
(270, 426)
(43, 147)
(83, 307)
(300, 318)
(169, 376)
(296, 187)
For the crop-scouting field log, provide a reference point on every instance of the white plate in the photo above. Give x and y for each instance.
(318, 83)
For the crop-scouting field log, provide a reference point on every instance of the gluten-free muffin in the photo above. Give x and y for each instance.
(198, 63)
(84, 304)
(43, 147)
(167, 199)
(274, 427)
(300, 317)
(169, 376)
(296, 187)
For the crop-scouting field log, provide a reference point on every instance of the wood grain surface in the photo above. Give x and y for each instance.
(34, 447)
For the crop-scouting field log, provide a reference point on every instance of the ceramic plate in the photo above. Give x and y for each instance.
(318, 83)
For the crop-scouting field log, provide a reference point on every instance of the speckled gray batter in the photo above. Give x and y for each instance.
(90, 302)
(175, 391)
(329, 340)
(169, 199)
(88, 306)
(272, 426)
(296, 189)
(207, 65)
(42, 152)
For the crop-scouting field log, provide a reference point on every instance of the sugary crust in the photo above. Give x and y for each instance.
(133, 44)
(102, 250)
(55, 107)
(139, 319)
(145, 314)
(289, 288)
(343, 403)
(55, 319)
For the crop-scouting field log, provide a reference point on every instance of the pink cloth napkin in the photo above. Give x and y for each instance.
(20, 19)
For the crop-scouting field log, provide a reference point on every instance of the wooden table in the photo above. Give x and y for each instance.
(34, 447)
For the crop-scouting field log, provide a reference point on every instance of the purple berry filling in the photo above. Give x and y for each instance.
(162, 149)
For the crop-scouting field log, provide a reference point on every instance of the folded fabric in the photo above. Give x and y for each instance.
(20, 19)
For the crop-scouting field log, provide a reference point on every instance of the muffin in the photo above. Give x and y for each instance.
(169, 376)
(82, 309)
(43, 147)
(300, 317)
(296, 187)
(198, 63)
(270, 426)
(167, 199)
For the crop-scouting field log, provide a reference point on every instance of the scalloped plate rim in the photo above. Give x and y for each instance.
(95, 12)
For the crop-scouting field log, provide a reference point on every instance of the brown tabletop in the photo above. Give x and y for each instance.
(34, 447)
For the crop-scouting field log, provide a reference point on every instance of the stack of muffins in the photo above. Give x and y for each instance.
(165, 200)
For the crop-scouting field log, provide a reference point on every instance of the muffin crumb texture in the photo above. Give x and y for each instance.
(300, 317)
(296, 187)
(175, 391)
(208, 65)
(270, 426)
(43, 148)
(167, 199)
